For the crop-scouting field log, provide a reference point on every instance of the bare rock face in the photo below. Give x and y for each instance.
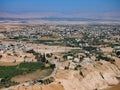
(94, 76)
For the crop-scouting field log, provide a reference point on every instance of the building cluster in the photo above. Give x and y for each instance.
(89, 38)
(12, 47)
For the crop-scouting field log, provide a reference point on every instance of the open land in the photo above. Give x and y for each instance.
(60, 57)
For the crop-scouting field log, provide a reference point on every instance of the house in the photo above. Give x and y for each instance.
(69, 57)
(77, 60)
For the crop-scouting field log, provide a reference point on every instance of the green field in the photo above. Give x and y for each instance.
(7, 72)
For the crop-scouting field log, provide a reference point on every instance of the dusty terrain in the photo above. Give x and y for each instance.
(45, 48)
(4, 27)
(16, 57)
(8, 63)
(99, 75)
(39, 74)
(52, 86)
(96, 76)
(116, 87)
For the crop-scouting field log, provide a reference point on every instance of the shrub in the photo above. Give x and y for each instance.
(52, 66)
(66, 67)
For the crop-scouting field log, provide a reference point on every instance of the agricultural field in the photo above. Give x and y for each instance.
(24, 68)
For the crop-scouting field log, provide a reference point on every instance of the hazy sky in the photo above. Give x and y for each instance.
(60, 6)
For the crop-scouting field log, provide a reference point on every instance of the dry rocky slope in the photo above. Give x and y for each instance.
(97, 75)
(94, 75)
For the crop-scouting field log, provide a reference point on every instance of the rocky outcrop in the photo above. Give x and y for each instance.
(97, 75)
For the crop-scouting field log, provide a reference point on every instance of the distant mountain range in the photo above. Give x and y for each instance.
(56, 19)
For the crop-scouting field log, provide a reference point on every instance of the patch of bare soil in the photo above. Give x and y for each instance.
(107, 49)
(4, 27)
(62, 74)
(8, 63)
(52, 86)
(48, 38)
(39, 74)
(116, 87)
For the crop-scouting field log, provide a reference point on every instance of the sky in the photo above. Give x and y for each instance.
(61, 6)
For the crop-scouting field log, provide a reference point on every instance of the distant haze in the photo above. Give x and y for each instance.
(93, 9)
